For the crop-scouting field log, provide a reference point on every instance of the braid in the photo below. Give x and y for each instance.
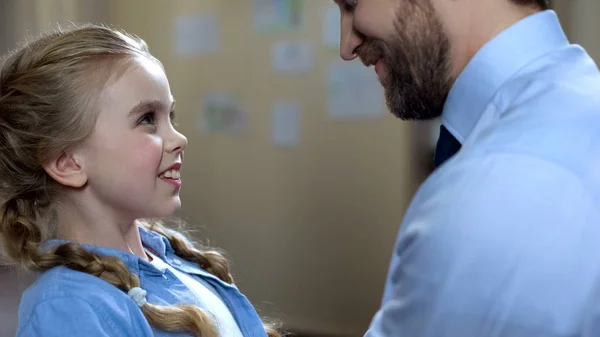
(210, 260)
(20, 235)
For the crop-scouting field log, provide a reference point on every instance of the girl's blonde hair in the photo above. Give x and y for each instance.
(48, 91)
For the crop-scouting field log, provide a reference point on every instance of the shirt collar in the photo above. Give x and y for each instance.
(494, 64)
(158, 243)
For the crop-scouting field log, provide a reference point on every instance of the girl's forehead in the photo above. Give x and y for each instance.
(142, 82)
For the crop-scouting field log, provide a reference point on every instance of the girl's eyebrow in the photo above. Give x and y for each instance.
(145, 106)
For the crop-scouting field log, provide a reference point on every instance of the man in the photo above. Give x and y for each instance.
(502, 239)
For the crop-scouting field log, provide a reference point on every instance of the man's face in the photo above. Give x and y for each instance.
(405, 41)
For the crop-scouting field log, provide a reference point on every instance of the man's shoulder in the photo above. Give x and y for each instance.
(482, 207)
(550, 111)
(565, 77)
(502, 191)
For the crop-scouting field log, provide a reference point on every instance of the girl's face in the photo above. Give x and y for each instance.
(133, 156)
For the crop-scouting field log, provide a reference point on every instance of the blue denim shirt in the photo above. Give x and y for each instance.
(63, 302)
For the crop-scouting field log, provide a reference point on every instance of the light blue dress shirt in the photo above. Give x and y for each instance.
(503, 240)
(63, 302)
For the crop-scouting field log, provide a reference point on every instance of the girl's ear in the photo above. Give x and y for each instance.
(67, 170)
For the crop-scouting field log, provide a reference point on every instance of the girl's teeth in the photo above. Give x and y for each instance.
(172, 174)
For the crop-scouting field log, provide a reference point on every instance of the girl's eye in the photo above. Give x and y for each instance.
(147, 119)
(172, 118)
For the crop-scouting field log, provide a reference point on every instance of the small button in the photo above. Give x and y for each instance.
(176, 262)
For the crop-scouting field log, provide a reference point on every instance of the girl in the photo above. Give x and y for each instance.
(87, 148)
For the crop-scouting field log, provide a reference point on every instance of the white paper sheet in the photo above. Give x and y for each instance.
(354, 91)
(331, 26)
(221, 112)
(286, 124)
(293, 56)
(196, 35)
(277, 15)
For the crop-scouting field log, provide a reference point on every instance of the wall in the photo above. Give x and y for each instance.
(581, 20)
(30, 17)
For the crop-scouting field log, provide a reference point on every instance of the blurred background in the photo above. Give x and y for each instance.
(294, 167)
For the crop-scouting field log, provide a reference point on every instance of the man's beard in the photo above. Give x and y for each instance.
(416, 77)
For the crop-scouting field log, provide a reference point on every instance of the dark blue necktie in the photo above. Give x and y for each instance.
(446, 147)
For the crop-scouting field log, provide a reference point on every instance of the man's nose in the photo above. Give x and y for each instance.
(350, 39)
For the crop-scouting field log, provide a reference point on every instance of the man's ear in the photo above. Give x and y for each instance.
(67, 169)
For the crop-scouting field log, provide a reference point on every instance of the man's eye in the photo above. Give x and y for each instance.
(350, 5)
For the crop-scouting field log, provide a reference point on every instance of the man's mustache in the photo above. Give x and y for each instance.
(370, 51)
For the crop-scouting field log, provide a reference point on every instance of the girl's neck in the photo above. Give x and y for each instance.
(74, 224)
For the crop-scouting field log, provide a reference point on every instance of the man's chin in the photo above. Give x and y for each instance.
(403, 112)
(409, 108)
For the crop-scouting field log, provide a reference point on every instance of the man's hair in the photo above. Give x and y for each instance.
(542, 4)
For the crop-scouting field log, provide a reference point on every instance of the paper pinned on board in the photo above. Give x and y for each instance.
(286, 124)
(293, 56)
(331, 26)
(196, 35)
(278, 15)
(354, 90)
(221, 112)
